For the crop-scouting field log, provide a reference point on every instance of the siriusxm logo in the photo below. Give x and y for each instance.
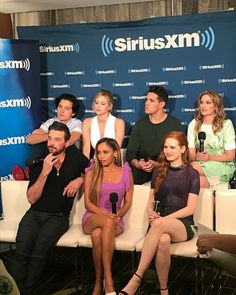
(211, 67)
(48, 98)
(60, 48)
(160, 83)
(13, 140)
(189, 82)
(176, 96)
(47, 74)
(6, 177)
(135, 71)
(184, 110)
(125, 84)
(60, 85)
(105, 72)
(16, 103)
(233, 109)
(227, 80)
(77, 73)
(124, 111)
(93, 85)
(173, 69)
(89, 111)
(15, 64)
(196, 39)
(81, 98)
(135, 97)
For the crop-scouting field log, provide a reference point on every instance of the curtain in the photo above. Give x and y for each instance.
(120, 12)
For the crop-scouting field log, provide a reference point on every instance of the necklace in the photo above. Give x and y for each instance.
(58, 165)
(58, 169)
(177, 168)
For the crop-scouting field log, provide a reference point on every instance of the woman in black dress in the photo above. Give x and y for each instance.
(175, 184)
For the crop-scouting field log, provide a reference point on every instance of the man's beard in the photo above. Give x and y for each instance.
(57, 152)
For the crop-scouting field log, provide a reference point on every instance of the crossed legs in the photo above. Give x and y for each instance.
(103, 230)
(157, 244)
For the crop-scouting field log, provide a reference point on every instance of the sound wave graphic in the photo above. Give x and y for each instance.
(106, 45)
(26, 64)
(208, 38)
(76, 47)
(27, 102)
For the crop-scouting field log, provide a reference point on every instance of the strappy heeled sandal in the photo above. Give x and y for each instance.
(125, 293)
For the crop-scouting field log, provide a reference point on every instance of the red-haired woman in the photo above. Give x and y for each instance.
(175, 184)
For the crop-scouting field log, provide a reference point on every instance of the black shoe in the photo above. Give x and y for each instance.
(125, 293)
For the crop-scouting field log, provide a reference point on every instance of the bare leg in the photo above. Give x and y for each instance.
(171, 226)
(109, 229)
(108, 247)
(162, 262)
(203, 180)
(96, 237)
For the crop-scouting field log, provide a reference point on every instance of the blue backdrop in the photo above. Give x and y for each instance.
(19, 101)
(185, 54)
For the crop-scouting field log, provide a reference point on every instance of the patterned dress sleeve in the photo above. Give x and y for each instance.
(127, 171)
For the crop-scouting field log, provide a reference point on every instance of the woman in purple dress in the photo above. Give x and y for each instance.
(104, 177)
(175, 184)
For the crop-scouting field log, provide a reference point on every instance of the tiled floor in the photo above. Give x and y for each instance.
(59, 278)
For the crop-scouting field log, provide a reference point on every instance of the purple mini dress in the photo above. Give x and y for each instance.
(120, 188)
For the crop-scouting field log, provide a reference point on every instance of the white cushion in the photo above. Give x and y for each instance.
(203, 215)
(15, 204)
(225, 203)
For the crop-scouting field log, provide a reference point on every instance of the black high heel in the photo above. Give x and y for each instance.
(125, 293)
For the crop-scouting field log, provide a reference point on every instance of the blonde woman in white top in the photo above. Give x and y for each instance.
(104, 124)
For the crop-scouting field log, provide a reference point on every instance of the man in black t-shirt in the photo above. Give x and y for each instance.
(52, 187)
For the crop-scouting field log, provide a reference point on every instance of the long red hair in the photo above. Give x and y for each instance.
(163, 163)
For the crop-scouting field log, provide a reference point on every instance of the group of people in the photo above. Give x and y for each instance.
(215, 163)
(158, 151)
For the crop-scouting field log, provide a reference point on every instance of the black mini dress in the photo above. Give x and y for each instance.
(174, 190)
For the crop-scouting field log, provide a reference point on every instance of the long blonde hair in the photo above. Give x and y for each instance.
(163, 163)
(220, 115)
(97, 171)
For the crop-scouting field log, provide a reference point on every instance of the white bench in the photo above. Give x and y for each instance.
(203, 215)
(225, 209)
(136, 223)
(15, 204)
